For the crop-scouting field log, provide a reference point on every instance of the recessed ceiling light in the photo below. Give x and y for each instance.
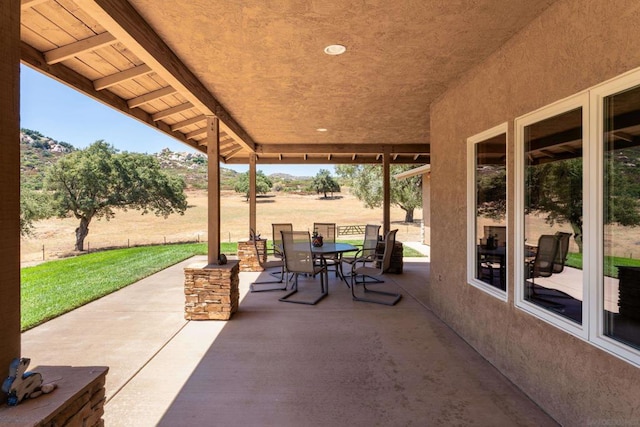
(335, 49)
(321, 129)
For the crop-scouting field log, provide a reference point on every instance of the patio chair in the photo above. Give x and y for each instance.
(369, 245)
(328, 232)
(298, 259)
(365, 269)
(277, 237)
(263, 254)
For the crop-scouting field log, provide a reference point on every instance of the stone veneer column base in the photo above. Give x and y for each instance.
(248, 257)
(77, 401)
(211, 291)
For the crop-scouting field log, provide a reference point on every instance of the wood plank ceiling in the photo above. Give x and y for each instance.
(260, 68)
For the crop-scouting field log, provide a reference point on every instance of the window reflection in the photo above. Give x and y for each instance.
(553, 214)
(491, 208)
(621, 217)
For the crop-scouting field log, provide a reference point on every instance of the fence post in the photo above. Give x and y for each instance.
(128, 243)
(43, 252)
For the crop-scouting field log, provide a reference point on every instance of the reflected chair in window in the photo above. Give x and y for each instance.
(562, 252)
(542, 266)
(362, 268)
(277, 237)
(263, 259)
(369, 245)
(298, 259)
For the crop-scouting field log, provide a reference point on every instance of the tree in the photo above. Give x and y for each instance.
(263, 184)
(555, 188)
(93, 182)
(366, 184)
(323, 182)
(34, 205)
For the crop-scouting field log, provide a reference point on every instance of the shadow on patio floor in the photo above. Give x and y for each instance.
(337, 363)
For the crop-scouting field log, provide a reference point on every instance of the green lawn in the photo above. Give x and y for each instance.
(610, 263)
(57, 287)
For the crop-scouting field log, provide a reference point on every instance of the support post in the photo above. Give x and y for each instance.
(213, 192)
(10, 188)
(386, 190)
(252, 192)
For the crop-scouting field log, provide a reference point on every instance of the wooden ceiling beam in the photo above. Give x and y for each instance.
(121, 19)
(188, 122)
(195, 133)
(172, 111)
(26, 4)
(63, 74)
(122, 76)
(235, 151)
(151, 96)
(69, 51)
(346, 148)
(321, 160)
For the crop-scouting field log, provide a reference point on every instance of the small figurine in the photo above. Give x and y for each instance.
(21, 385)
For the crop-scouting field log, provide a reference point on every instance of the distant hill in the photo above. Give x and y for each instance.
(38, 152)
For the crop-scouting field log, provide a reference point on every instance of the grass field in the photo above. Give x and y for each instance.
(57, 236)
(56, 287)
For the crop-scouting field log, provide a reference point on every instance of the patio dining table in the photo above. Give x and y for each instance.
(333, 248)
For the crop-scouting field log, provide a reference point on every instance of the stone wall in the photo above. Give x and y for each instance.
(211, 292)
(248, 257)
(78, 399)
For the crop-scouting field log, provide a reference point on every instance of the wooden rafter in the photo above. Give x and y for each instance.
(63, 74)
(197, 132)
(87, 45)
(119, 18)
(172, 111)
(151, 96)
(188, 122)
(122, 76)
(25, 4)
(346, 148)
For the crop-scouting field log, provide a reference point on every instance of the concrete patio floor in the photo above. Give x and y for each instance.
(337, 363)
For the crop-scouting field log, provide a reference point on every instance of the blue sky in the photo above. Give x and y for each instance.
(61, 113)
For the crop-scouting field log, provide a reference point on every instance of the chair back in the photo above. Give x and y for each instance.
(389, 243)
(561, 253)
(298, 257)
(327, 230)
(545, 256)
(277, 237)
(370, 242)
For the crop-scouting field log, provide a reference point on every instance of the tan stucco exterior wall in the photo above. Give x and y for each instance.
(575, 44)
(10, 188)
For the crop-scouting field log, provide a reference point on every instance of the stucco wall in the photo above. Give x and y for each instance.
(572, 46)
(10, 188)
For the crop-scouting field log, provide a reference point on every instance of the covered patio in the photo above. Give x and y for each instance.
(338, 363)
(250, 83)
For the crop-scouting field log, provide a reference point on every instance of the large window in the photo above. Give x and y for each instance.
(551, 154)
(577, 239)
(487, 210)
(620, 292)
(553, 219)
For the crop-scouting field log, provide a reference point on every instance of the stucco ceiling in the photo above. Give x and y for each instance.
(263, 62)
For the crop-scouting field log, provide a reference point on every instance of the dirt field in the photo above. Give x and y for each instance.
(58, 235)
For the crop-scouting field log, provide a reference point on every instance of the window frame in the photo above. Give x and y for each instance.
(580, 100)
(472, 232)
(596, 335)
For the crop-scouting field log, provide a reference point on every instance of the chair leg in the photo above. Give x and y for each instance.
(253, 286)
(393, 301)
(324, 292)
